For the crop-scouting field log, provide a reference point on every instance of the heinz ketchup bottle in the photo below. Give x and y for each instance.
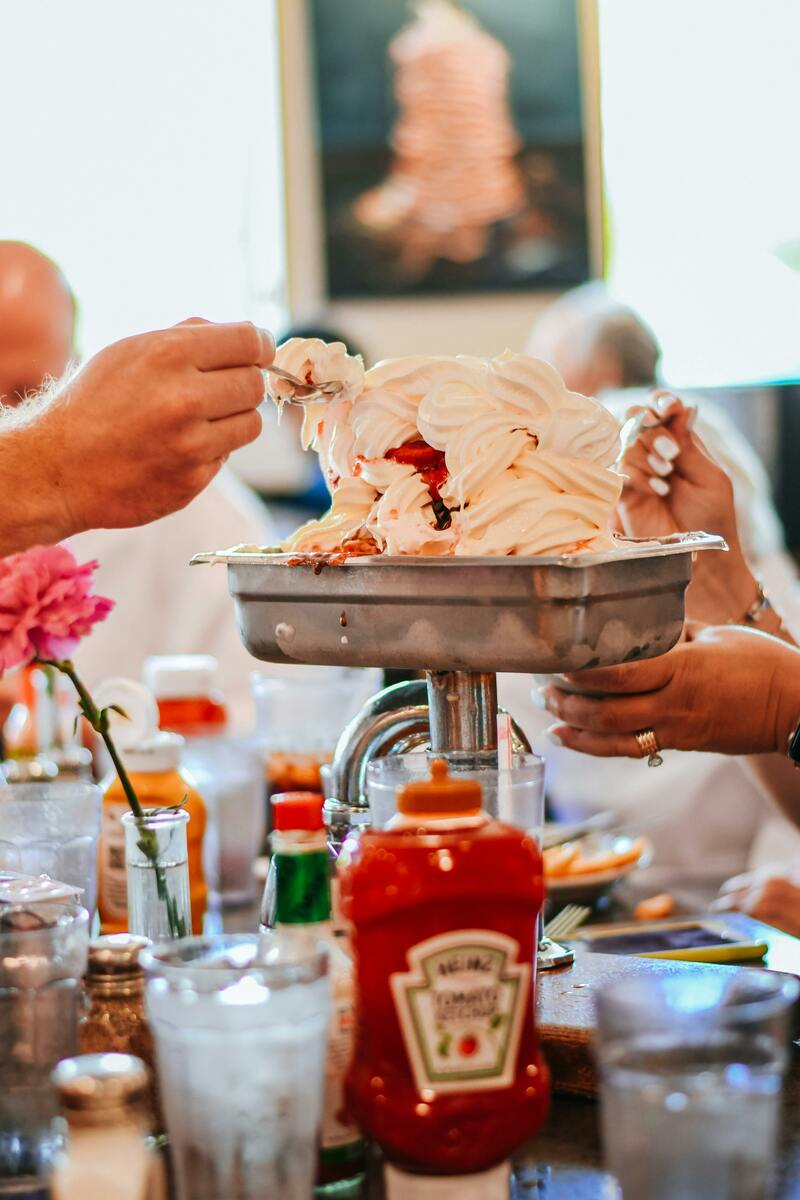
(447, 1075)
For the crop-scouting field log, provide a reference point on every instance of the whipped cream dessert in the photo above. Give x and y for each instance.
(451, 86)
(461, 455)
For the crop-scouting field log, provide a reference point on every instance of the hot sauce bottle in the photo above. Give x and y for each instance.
(447, 1075)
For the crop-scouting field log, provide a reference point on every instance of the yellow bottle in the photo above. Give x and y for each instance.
(152, 762)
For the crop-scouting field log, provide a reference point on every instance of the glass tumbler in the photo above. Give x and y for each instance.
(240, 1026)
(43, 952)
(515, 796)
(159, 901)
(691, 1073)
(229, 773)
(52, 829)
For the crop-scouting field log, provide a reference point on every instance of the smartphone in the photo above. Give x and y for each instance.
(702, 940)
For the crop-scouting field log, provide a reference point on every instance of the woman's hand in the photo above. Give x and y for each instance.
(731, 690)
(674, 485)
(771, 895)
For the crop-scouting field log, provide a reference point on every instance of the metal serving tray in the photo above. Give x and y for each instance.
(547, 614)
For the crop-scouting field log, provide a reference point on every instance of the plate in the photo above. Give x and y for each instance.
(583, 889)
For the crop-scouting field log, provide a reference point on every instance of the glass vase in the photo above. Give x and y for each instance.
(157, 872)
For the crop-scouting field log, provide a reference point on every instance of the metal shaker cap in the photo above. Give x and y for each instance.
(115, 956)
(96, 1084)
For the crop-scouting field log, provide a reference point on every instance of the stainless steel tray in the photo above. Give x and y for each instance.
(546, 614)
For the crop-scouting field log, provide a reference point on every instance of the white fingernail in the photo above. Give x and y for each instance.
(537, 696)
(552, 736)
(659, 486)
(659, 465)
(665, 446)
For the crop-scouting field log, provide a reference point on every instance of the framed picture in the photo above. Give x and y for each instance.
(452, 145)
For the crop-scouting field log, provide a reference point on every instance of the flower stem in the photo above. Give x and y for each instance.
(148, 843)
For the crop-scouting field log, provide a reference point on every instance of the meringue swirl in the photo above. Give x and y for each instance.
(461, 456)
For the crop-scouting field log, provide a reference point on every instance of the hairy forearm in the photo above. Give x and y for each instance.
(31, 508)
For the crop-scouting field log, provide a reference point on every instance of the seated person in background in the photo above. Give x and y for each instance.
(161, 605)
(275, 465)
(705, 813)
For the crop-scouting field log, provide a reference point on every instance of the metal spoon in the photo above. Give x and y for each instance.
(304, 393)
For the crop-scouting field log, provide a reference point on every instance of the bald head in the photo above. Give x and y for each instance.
(37, 320)
(595, 342)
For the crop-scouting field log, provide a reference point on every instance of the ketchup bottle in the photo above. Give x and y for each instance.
(447, 1075)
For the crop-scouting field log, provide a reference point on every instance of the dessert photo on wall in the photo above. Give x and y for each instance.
(451, 145)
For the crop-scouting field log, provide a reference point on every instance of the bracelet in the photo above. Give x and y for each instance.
(793, 747)
(759, 606)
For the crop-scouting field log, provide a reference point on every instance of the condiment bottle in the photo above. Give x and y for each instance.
(447, 1074)
(115, 1021)
(184, 686)
(301, 868)
(102, 1098)
(152, 761)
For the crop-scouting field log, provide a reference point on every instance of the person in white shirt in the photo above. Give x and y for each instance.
(705, 813)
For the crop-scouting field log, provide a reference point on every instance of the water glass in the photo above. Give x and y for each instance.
(514, 795)
(159, 904)
(43, 953)
(240, 1026)
(691, 1075)
(229, 774)
(52, 829)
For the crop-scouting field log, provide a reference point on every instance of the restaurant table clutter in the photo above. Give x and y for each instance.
(391, 1023)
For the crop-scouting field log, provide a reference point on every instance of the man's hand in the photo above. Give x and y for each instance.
(136, 434)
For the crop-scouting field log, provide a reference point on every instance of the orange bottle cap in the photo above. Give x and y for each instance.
(297, 810)
(442, 793)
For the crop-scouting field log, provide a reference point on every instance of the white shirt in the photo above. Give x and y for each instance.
(164, 606)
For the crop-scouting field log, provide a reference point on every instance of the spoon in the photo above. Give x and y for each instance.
(303, 393)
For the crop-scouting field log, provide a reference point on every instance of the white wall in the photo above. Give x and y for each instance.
(140, 148)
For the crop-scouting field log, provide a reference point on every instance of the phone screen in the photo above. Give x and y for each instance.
(687, 937)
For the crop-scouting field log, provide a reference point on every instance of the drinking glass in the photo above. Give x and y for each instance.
(159, 903)
(240, 1026)
(300, 716)
(43, 952)
(691, 1074)
(514, 795)
(229, 774)
(52, 829)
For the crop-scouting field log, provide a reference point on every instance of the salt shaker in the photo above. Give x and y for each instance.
(103, 1099)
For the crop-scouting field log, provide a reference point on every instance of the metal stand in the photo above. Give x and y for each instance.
(452, 712)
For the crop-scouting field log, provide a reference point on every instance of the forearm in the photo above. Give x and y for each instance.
(31, 509)
(778, 778)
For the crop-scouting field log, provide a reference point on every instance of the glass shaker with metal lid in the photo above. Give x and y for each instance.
(115, 1021)
(103, 1099)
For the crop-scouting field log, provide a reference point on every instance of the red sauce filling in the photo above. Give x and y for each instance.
(428, 462)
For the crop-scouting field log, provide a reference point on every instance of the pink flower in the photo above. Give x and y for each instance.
(46, 605)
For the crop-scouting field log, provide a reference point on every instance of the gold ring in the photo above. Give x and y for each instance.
(649, 747)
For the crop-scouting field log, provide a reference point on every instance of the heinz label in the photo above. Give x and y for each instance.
(461, 1007)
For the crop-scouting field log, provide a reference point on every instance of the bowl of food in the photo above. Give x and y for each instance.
(583, 870)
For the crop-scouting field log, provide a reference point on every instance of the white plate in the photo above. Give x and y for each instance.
(583, 888)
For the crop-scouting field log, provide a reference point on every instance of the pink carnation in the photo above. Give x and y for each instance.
(46, 605)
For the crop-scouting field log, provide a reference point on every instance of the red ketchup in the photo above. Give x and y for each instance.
(447, 1075)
